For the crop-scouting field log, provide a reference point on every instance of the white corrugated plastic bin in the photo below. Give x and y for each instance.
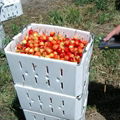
(30, 115)
(49, 74)
(10, 9)
(2, 35)
(45, 102)
(51, 103)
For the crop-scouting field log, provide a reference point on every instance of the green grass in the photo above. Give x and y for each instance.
(68, 16)
(15, 29)
(96, 16)
(100, 4)
(56, 18)
(104, 18)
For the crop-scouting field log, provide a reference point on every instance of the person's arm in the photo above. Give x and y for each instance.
(115, 31)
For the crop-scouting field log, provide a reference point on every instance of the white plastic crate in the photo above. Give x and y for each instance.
(2, 35)
(49, 74)
(51, 103)
(30, 115)
(10, 9)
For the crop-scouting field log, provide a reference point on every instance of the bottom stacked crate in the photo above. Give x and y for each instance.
(39, 104)
(30, 115)
(50, 103)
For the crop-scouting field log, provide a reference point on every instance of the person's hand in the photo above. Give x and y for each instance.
(115, 31)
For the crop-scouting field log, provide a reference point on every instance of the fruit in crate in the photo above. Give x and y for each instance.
(54, 45)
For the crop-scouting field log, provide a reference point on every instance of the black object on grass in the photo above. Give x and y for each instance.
(113, 43)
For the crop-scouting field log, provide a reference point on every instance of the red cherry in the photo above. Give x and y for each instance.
(55, 47)
(30, 32)
(52, 34)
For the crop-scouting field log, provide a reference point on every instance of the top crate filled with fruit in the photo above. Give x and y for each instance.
(51, 58)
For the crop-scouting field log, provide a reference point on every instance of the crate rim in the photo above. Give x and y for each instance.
(91, 38)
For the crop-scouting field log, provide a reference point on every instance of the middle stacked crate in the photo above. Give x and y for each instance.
(52, 87)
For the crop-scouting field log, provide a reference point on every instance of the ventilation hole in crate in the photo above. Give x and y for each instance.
(17, 12)
(30, 105)
(44, 118)
(62, 85)
(28, 95)
(4, 16)
(8, 14)
(63, 102)
(51, 109)
(61, 72)
(20, 65)
(36, 80)
(40, 107)
(63, 112)
(34, 66)
(34, 117)
(50, 100)
(47, 70)
(12, 13)
(39, 98)
(49, 82)
(23, 77)
(15, 6)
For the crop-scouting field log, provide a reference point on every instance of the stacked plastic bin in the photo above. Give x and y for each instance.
(50, 89)
(9, 9)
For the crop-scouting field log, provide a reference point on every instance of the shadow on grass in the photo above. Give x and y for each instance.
(17, 109)
(107, 104)
(117, 4)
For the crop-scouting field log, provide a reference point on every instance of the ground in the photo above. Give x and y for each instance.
(101, 105)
